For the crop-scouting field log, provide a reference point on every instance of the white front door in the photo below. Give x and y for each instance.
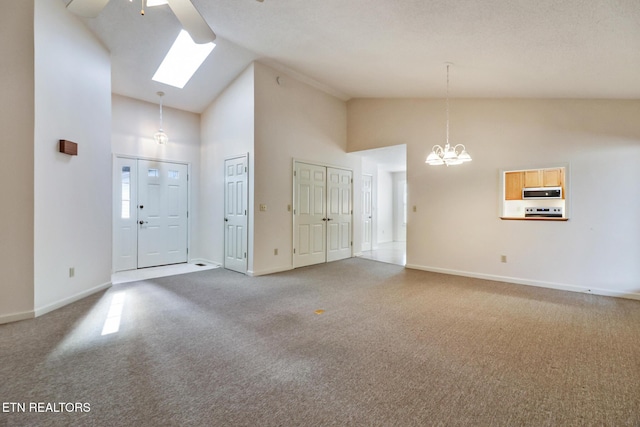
(235, 214)
(339, 213)
(367, 213)
(310, 211)
(162, 213)
(150, 203)
(322, 215)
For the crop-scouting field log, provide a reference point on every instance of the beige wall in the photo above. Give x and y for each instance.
(274, 123)
(456, 228)
(16, 164)
(227, 130)
(293, 121)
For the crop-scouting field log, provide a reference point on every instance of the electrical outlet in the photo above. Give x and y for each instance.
(503, 258)
(263, 208)
(72, 271)
(415, 208)
(288, 208)
(275, 251)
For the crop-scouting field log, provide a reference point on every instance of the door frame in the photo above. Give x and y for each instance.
(293, 198)
(114, 202)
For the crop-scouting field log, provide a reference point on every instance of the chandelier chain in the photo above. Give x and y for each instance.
(161, 95)
(447, 104)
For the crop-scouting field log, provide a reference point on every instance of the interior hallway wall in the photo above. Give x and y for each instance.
(16, 165)
(595, 251)
(399, 226)
(384, 191)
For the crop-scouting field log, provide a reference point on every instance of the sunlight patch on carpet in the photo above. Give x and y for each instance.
(112, 323)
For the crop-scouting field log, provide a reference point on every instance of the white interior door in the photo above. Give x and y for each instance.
(367, 213)
(339, 213)
(162, 213)
(235, 214)
(310, 219)
(125, 214)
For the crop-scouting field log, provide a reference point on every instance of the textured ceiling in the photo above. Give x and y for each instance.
(385, 48)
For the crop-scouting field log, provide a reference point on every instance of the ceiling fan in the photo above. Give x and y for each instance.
(184, 10)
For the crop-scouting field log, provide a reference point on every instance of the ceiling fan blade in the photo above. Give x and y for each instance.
(87, 8)
(192, 21)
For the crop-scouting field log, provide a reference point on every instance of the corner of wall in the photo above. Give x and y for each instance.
(17, 120)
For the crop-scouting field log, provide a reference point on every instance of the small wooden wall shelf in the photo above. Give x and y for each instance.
(68, 147)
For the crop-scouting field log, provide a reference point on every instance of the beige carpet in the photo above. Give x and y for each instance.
(393, 347)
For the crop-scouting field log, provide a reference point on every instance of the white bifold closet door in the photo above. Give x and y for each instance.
(323, 214)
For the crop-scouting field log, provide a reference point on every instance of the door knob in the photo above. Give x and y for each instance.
(226, 220)
(324, 219)
(329, 219)
(143, 222)
(141, 206)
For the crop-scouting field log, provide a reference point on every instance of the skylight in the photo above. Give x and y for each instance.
(151, 3)
(182, 61)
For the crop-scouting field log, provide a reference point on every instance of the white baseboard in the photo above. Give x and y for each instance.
(270, 271)
(528, 282)
(357, 254)
(66, 301)
(8, 318)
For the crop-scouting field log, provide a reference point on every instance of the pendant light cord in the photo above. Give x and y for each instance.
(161, 94)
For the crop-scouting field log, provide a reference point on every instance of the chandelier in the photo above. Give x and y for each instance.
(160, 137)
(448, 155)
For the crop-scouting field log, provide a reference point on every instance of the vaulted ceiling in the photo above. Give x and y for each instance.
(385, 48)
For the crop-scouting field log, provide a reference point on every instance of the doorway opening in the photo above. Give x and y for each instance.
(384, 204)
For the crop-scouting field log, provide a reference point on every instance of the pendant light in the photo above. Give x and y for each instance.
(448, 155)
(160, 137)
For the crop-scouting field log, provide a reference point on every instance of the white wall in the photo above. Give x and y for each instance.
(16, 163)
(72, 194)
(293, 121)
(227, 129)
(133, 124)
(597, 250)
(384, 207)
